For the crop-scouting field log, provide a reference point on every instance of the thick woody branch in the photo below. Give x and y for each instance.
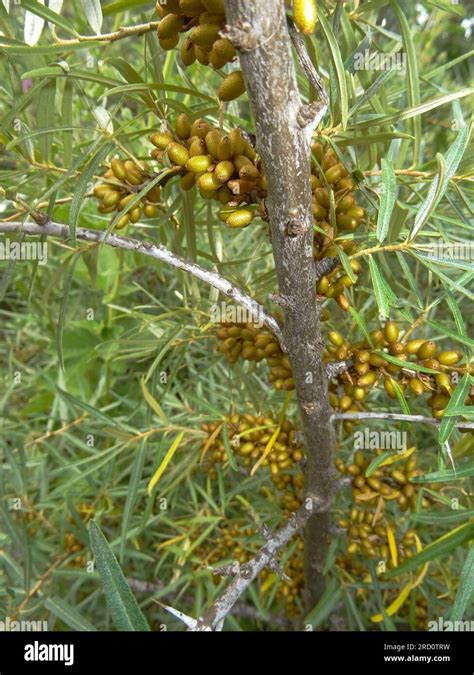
(395, 417)
(159, 252)
(259, 31)
(246, 573)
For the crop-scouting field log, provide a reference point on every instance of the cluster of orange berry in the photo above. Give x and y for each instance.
(385, 483)
(255, 344)
(224, 167)
(121, 183)
(371, 365)
(249, 436)
(203, 20)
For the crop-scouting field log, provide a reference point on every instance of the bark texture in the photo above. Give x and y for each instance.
(259, 31)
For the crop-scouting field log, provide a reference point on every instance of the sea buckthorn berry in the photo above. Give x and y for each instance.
(232, 87)
(449, 358)
(391, 331)
(178, 154)
(305, 15)
(426, 351)
(240, 218)
(413, 345)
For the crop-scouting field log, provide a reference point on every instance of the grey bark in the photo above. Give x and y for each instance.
(259, 31)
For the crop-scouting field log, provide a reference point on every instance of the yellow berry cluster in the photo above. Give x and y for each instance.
(203, 20)
(121, 183)
(371, 540)
(224, 167)
(255, 344)
(369, 368)
(331, 182)
(249, 436)
(386, 483)
(334, 284)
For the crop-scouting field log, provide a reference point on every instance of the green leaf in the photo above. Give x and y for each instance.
(39, 9)
(228, 449)
(326, 604)
(125, 611)
(446, 170)
(405, 408)
(456, 403)
(346, 263)
(33, 27)
(68, 614)
(336, 58)
(406, 364)
(442, 517)
(465, 592)
(122, 5)
(132, 77)
(383, 293)
(44, 50)
(63, 308)
(464, 471)
(376, 462)
(93, 12)
(447, 6)
(410, 278)
(67, 119)
(371, 91)
(435, 550)
(413, 79)
(82, 188)
(98, 414)
(45, 116)
(387, 200)
(360, 321)
(443, 330)
(383, 120)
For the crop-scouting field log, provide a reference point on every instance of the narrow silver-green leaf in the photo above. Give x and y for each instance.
(456, 403)
(439, 185)
(338, 64)
(379, 285)
(93, 12)
(387, 199)
(125, 611)
(68, 614)
(33, 27)
(37, 7)
(465, 592)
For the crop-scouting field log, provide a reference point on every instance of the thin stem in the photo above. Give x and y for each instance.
(418, 419)
(122, 32)
(159, 252)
